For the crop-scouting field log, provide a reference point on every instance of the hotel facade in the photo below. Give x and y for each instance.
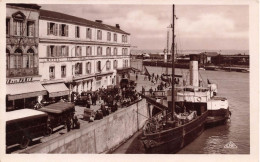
(52, 55)
(77, 55)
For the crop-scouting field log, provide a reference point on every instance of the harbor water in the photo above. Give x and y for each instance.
(232, 138)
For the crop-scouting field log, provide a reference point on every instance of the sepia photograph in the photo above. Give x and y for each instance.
(130, 78)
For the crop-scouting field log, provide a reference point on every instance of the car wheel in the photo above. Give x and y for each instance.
(24, 142)
(48, 131)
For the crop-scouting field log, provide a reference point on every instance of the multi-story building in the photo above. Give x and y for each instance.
(77, 55)
(22, 67)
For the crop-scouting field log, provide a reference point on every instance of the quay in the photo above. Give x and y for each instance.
(100, 136)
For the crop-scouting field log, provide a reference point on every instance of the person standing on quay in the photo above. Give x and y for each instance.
(143, 90)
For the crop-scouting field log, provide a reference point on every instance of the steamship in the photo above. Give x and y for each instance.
(189, 110)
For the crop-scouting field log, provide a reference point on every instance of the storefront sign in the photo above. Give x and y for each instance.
(18, 80)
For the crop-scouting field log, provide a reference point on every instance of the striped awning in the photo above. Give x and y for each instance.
(25, 90)
(57, 90)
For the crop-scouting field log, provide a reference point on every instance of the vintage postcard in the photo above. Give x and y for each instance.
(133, 79)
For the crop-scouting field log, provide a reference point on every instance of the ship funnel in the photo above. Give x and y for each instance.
(194, 74)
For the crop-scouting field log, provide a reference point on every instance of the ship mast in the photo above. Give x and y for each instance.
(167, 51)
(173, 66)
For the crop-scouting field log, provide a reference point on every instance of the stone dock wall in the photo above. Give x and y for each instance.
(100, 136)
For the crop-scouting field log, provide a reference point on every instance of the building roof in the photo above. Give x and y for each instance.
(210, 53)
(24, 5)
(56, 16)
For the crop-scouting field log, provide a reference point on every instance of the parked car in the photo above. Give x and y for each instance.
(82, 99)
(124, 83)
(24, 126)
(59, 114)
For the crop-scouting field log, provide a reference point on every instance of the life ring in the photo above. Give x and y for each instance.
(199, 99)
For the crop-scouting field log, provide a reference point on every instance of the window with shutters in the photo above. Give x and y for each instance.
(99, 35)
(78, 69)
(108, 65)
(99, 66)
(108, 51)
(123, 51)
(8, 26)
(88, 68)
(63, 30)
(63, 71)
(52, 72)
(18, 27)
(115, 37)
(89, 33)
(30, 28)
(108, 36)
(99, 51)
(126, 51)
(89, 50)
(115, 51)
(78, 51)
(115, 64)
(51, 51)
(52, 28)
(63, 51)
(123, 38)
(77, 32)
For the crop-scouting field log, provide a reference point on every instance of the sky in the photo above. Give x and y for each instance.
(197, 27)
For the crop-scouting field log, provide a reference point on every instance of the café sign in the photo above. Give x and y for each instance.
(18, 80)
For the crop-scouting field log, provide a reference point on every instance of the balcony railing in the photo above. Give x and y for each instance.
(14, 72)
(22, 40)
(82, 58)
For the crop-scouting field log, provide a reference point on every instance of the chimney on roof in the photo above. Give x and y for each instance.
(117, 26)
(99, 21)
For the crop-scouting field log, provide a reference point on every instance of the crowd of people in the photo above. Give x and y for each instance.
(109, 99)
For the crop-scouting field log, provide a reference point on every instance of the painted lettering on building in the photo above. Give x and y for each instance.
(18, 80)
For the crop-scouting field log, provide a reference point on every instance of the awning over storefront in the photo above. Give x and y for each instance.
(24, 90)
(56, 90)
(123, 70)
(103, 74)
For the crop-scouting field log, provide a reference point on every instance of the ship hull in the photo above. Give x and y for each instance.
(217, 117)
(172, 140)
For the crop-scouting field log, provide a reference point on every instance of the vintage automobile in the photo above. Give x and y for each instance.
(82, 99)
(60, 114)
(124, 83)
(24, 126)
